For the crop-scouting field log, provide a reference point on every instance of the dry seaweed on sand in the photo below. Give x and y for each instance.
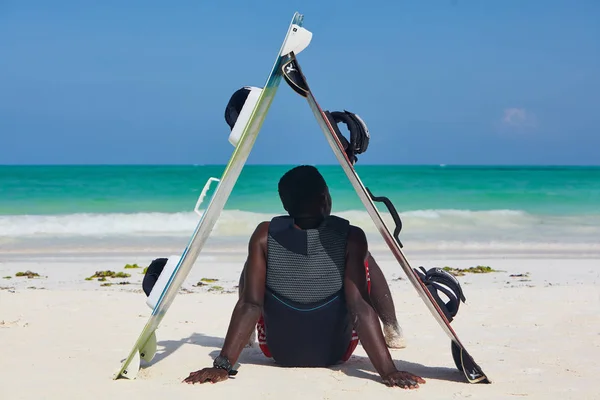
(116, 283)
(102, 275)
(28, 274)
(209, 280)
(480, 269)
(131, 266)
(524, 277)
(216, 289)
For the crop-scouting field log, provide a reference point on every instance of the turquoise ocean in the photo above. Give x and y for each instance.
(442, 207)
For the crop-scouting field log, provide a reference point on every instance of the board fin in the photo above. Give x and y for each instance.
(130, 368)
(148, 352)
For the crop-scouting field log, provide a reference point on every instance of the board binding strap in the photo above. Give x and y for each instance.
(295, 78)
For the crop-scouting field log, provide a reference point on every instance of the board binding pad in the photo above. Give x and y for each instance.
(162, 281)
(252, 94)
(296, 40)
(293, 75)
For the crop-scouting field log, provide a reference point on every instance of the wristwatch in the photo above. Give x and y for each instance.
(222, 362)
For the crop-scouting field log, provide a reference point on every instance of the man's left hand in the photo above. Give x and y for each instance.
(212, 375)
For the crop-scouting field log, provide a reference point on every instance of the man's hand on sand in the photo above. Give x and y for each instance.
(403, 379)
(212, 375)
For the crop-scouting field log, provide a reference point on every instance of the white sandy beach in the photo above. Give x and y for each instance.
(63, 337)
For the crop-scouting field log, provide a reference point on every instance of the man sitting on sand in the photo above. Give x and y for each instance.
(306, 286)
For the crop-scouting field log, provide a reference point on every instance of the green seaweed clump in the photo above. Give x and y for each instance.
(209, 280)
(28, 274)
(131, 266)
(216, 289)
(480, 269)
(8, 277)
(144, 271)
(102, 275)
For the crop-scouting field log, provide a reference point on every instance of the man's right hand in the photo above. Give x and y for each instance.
(212, 375)
(403, 379)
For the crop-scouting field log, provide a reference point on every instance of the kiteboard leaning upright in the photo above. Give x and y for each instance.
(297, 81)
(243, 136)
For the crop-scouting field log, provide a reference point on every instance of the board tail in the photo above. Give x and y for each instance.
(467, 365)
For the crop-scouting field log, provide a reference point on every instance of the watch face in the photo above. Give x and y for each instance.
(222, 362)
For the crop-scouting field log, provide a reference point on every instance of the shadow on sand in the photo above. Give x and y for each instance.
(356, 366)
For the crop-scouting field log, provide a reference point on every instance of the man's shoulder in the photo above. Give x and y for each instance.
(356, 234)
(356, 230)
(262, 227)
(260, 232)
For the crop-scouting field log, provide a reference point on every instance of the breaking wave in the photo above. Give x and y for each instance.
(422, 225)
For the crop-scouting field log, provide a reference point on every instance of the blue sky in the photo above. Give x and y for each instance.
(437, 82)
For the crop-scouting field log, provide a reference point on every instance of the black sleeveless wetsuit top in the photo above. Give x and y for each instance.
(306, 319)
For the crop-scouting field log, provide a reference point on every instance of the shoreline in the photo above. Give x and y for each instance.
(68, 271)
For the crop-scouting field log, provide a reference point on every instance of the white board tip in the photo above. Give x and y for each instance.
(298, 40)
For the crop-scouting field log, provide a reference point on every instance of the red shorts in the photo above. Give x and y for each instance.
(262, 334)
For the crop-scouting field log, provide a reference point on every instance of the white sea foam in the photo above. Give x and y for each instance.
(495, 228)
(117, 224)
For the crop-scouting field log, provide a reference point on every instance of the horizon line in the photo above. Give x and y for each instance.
(292, 164)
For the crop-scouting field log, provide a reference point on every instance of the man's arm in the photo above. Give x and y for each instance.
(246, 312)
(248, 309)
(364, 316)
